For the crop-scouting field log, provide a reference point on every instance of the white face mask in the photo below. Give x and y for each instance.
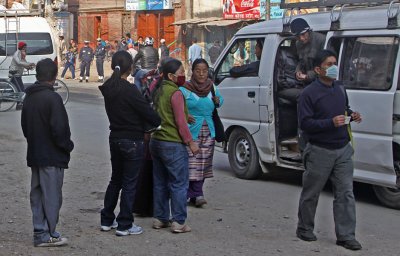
(332, 72)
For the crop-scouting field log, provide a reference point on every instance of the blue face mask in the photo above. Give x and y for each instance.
(332, 72)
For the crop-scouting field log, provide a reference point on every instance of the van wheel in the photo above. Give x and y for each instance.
(243, 155)
(389, 197)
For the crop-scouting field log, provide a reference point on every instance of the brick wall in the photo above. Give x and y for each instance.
(97, 4)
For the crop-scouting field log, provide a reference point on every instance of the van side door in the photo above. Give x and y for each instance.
(369, 64)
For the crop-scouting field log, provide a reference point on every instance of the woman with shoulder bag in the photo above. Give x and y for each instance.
(202, 97)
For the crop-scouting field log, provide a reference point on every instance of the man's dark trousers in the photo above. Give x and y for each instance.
(100, 66)
(85, 66)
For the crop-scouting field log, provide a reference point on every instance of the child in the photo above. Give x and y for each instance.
(69, 63)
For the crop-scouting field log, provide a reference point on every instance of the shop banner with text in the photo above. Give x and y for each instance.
(241, 9)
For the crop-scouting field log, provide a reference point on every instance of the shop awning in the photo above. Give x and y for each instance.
(220, 23)
(195, 21)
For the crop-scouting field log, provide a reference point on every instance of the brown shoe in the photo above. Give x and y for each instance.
(200, 202)
(158, 224)
(178, 228)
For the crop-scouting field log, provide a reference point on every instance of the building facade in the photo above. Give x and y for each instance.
(109, 20)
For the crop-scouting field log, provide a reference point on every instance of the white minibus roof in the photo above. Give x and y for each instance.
(351, 19)
(26, 24)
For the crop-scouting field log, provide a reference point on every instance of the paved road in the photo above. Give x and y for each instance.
(242, 218)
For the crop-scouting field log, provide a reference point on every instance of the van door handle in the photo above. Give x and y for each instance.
(251, 94)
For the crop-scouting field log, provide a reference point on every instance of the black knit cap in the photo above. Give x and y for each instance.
(299, 26)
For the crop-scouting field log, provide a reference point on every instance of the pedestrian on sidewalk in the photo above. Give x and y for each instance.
(214, 51)
(163, 50)
(85, 57)
(62, 47)
(100, 55)
(168, 149)
(195, 52)
(198, 93)
(324, 117)
(44, 122)
(130, 116)
(69, 63)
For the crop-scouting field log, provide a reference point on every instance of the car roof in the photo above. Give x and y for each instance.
(351, 19)
(26, 24)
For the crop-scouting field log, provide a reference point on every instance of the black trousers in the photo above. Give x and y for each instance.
(100, 67)
(19, 85)
(85, 66)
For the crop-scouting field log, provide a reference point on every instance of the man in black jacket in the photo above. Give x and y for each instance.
(45, 126)
(148, 55)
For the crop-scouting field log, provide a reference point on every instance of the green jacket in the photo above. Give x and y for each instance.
(169, 130)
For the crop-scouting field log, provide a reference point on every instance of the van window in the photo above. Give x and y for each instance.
(38, 43)
(241, 54)
(368, 62)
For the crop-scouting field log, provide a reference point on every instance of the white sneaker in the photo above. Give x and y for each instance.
(108, 228)
(134, 230)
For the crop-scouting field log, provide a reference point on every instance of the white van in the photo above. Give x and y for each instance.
(35, 31)
(260, 126)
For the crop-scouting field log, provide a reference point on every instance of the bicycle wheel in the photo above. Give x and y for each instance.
(61, 88)
(8, 96)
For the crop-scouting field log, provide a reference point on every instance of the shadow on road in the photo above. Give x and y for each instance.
(362, 192)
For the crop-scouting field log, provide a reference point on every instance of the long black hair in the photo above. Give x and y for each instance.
(121, 63)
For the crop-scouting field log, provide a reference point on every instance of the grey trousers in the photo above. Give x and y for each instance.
(46, 200)
(337, 165)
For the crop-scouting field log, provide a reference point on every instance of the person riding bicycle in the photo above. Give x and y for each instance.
(148, 55)
(16, 69)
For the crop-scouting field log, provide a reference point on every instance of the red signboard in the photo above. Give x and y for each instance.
(241, 9)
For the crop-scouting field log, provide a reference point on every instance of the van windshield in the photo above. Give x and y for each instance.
(38, 43)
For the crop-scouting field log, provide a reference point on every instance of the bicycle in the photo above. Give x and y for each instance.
(10, 96)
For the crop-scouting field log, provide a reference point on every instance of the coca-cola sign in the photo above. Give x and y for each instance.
(241, 9)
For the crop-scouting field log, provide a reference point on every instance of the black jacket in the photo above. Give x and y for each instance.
(86, 54)
(148, 57)
(44, 122)
(130, 115)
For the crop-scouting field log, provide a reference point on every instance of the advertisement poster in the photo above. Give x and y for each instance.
(132, 5)
(168, 4)
(276, 12)
(263, 9)
(135, 5)
(155, 4)
(241, 9)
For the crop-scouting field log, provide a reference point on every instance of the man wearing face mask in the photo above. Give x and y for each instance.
(324, 116)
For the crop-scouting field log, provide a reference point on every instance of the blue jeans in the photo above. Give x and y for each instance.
(170, 180)
(126, 162)
(71, 67)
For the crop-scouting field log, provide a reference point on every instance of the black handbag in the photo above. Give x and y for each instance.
(219, 127)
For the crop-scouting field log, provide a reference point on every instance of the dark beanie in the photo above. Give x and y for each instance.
(299, 26)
